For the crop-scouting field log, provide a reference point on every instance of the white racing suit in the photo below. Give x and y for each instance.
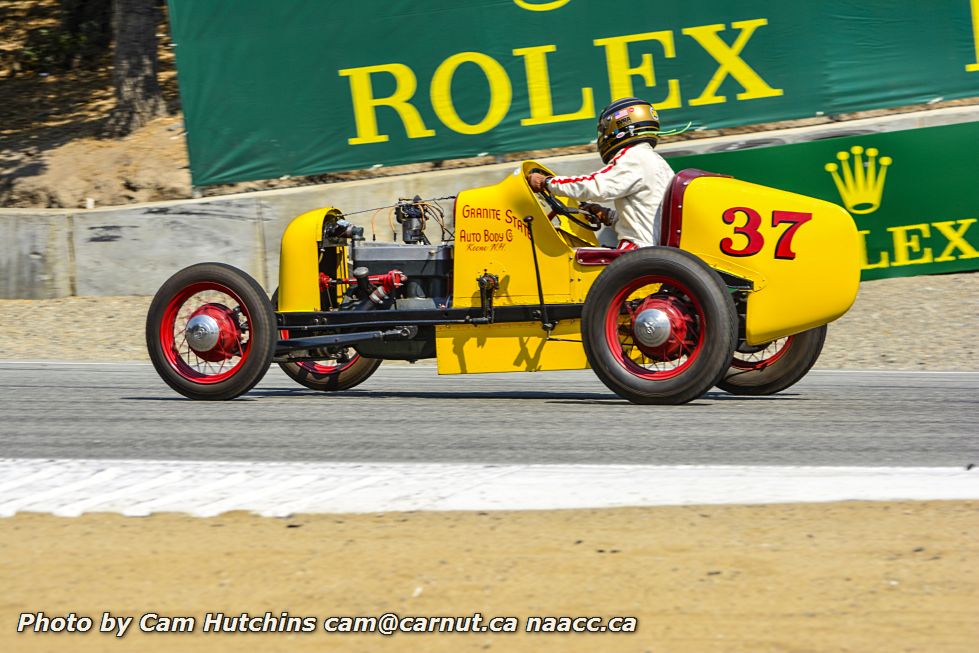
(636, 179)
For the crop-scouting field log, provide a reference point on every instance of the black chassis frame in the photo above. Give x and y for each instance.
(309, 322)
(350, 327)
(344, 328)
(372, 319)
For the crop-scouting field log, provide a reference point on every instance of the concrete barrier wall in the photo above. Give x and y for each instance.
(36, 260)
(132, 250)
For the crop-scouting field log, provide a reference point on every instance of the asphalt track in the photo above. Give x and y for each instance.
(409, 413)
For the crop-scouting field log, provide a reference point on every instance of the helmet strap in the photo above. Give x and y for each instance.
(674, 132)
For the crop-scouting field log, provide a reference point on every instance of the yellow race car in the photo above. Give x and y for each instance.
(738, 296)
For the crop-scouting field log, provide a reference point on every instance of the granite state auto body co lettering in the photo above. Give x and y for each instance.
(487, 227)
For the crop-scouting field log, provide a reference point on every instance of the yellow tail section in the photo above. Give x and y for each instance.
(802, 253)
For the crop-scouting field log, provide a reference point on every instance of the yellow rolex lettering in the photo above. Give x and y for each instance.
(956, 240)
(621, 72)
(907, 243)
(499, 86)
(365, 104)
(730, 62)
(974, 67)
(883, 262)
(539, 90)
(545, 6)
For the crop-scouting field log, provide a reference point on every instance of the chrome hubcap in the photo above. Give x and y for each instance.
(652, 327)
(202, 333)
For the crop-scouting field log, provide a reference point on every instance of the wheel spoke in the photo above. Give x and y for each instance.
(762, 358)
(687, 324)
(185, 359)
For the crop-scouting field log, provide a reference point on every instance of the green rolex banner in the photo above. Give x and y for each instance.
(300, 87)
(913, 194)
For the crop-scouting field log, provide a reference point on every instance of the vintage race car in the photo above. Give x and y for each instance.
(738, 296)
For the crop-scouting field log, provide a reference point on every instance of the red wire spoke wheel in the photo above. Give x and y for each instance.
(210, 332)
(658, 326)
(774, 366)
(204, 333)
(330, 375)
(760, 357)
(320, 369)
(655, 336)
(346, 370)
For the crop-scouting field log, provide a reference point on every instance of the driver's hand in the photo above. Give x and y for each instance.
(601, 213)
(536, 181)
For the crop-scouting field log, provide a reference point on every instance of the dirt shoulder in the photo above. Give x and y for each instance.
(830, 577)
(914, 323)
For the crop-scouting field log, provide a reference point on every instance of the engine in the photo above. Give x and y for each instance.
(416, 275)
(427, 270)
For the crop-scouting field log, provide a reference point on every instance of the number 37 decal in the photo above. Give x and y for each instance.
(755, 239)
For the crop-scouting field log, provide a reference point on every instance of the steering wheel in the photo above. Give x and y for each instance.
(563, 209)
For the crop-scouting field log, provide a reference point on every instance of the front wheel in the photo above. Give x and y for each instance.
(658, 326)
(210, 332)
(775, 366)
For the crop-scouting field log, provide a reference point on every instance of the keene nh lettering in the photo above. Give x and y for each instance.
(620, 62)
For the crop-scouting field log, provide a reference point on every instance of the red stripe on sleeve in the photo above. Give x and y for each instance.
(572, 180)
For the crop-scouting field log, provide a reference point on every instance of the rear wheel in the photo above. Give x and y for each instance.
(342, 372)
(658, 326)
(332, 375)
(775, 366)
(210, 332)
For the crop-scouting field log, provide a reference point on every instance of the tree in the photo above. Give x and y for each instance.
(88, 23)
(138, 95)
(80, 40)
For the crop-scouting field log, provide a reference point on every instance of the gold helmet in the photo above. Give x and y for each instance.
(626, 122)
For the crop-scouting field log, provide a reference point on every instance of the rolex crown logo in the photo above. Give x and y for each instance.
(860, 182)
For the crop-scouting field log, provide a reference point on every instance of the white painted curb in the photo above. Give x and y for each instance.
(139, 488)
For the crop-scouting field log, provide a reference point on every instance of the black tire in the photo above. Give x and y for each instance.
(777, 370)
(254, 336)
(329, 376)
(707, 321)
(343, 378)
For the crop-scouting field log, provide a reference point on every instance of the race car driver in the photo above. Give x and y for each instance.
(635, 178)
